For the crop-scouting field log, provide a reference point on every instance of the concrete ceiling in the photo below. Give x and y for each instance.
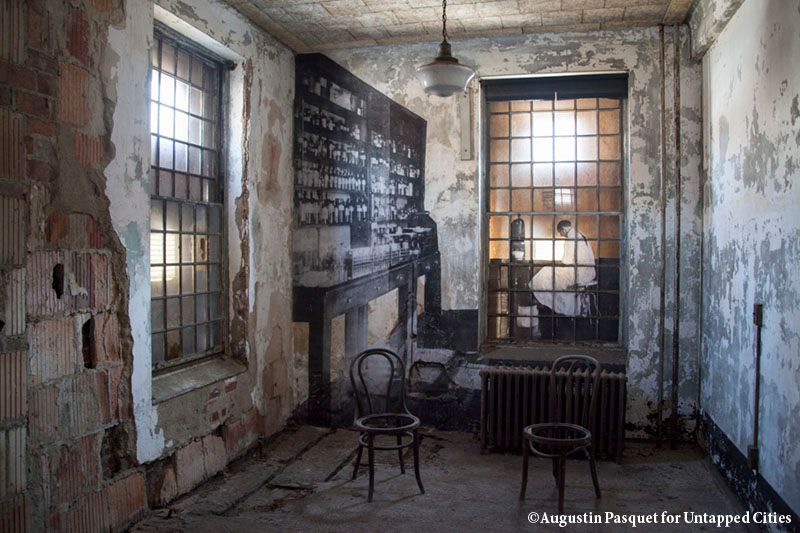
(317, 25)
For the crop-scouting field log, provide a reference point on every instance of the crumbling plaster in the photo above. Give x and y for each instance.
(707, 20)
(454, 188)
(752, 235)
(259, 202)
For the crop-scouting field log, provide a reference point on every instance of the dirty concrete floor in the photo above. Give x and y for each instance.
(301, 482)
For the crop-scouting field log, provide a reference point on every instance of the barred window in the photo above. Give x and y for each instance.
(186, 208)
(554, 218)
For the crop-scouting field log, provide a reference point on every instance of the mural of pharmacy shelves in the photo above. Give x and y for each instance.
(359, 178)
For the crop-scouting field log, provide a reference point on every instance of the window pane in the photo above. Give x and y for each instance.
(521, 175)
(552, 172)
(498, 176)
(498, 126)
(184, 114)
(521, 125)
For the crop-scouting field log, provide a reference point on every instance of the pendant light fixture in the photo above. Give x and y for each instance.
(445, 76)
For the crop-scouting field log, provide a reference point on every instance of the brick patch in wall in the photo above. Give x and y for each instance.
(77, 469)
(166, 488)
(13, 378)
(106, 339)
(53, 350)
(88, 149)
(12, 230)
(214, 456)
(33, 104)
(43, 291)
(18, 76)
(239, 434)
(100, 281)
(198, 461)
(13, 515)
(89, 514)
(73, 95)
(115, 380)
(189, 466)
(103, 5)
(126, 500)
(91, 404)
(78, 32)
(75, 230)
(79, 281)
(12, 149)
(12, 20)
(12, 302)
(38, 29)
(43, 418)
(12, 461)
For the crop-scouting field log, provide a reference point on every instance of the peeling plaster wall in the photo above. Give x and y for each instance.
(752, 234)
(707, 20)
(259, 203)
(454, 188)
(129, 196)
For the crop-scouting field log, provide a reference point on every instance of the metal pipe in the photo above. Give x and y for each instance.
(702, 201)
(676, 315)
(752, 451)
(663, 272)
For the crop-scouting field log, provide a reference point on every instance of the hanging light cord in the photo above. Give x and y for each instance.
(444, 19)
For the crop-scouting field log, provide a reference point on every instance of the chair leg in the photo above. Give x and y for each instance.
(562, 464)
(525, 455)
(371, 456)
(555, 470)
(358, 461)
(416, 461)
(400, 455)
(593, 467)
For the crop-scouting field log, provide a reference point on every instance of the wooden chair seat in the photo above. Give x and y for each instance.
(391, 419)
(559, 437)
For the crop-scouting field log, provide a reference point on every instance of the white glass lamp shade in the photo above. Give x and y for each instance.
(444, 76)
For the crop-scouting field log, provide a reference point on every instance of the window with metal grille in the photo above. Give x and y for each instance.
(186, 210)
(554, 218)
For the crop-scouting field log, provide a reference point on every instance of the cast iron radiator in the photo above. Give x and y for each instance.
(514, 397)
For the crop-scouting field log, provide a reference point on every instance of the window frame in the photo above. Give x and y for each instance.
(163, 33)
(489, 343)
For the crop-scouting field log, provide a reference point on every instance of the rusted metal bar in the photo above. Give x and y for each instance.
(752, 451)
(663, 270)
(484, 399)
(676, 315)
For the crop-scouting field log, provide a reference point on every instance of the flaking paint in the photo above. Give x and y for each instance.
(454, 188)
(752, 235)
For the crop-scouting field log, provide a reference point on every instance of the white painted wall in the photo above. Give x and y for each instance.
(752, 234)
(259, 196)
(454, 189)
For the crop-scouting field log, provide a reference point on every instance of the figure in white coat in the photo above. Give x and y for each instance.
(576, 268)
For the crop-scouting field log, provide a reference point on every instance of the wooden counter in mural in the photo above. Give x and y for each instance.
(360, 229)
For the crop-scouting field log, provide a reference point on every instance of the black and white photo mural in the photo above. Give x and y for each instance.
(359, 178)
(361, 239)
(554, 218)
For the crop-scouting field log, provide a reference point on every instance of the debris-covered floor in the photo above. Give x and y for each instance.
(301, 482)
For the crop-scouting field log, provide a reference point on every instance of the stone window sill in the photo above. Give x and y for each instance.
(177, 382)
(612, 357)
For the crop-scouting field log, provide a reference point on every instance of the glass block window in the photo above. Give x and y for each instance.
(186, 207)
(554, 219)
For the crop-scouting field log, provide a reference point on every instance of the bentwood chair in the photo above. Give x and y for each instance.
(573, 382)
(382, 412)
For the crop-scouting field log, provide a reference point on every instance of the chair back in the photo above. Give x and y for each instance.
(380, 389)
(574, 382)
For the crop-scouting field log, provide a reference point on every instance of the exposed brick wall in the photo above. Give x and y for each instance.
(67, 450)
(65, 416)
(67, 459)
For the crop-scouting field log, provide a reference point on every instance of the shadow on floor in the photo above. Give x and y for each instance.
(301, 482)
